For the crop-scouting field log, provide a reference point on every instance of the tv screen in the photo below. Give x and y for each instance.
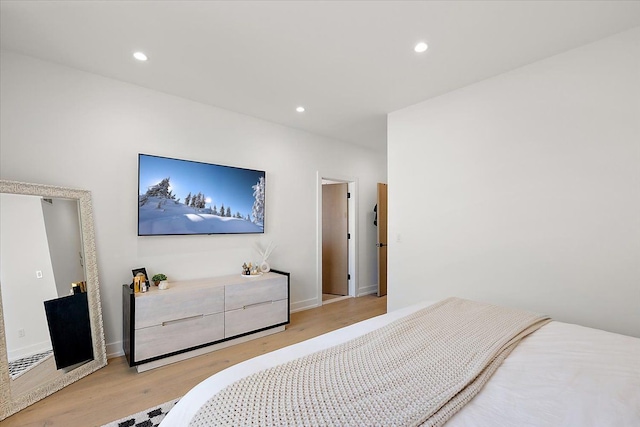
(178, 197)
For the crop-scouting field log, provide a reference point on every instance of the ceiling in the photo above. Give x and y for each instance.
(349, 63)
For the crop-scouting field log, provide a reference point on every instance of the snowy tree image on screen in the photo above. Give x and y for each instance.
(258, 205)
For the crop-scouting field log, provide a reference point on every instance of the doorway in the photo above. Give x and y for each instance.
(336, 239)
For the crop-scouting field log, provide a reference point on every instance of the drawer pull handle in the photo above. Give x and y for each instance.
(184, 319)
(244, 307)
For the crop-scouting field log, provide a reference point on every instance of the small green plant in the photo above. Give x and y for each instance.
(159, 277)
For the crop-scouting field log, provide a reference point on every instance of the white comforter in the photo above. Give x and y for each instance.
(561, 375)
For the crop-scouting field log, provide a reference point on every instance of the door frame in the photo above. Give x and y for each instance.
(352, 188)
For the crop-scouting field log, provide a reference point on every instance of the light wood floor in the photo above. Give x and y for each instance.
(116, 390)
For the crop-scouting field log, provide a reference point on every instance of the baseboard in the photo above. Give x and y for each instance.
(373, 289)
(305, 305)
(114, 349)
(29, 350)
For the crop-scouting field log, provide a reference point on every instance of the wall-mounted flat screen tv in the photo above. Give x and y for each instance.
(180, 197)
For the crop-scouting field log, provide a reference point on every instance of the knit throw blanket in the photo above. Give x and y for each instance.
(418, 370)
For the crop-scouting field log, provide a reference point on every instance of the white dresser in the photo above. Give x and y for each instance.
(198, 316)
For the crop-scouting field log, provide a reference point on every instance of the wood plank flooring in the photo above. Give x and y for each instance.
(116, 390)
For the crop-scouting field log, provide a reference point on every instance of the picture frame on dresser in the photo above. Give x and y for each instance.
(142, 270)
(195, 317)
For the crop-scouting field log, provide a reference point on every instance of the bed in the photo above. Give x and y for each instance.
(560, 375)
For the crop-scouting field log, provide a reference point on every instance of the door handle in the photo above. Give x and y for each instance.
(379, 245)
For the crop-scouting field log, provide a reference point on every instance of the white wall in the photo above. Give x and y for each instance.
(62, 223)
(524, 189)
(24, 250)
(65, 127)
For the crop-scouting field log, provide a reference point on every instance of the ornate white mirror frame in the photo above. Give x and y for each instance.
(9, 402)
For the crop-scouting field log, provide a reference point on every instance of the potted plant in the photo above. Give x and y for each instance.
(158, 278)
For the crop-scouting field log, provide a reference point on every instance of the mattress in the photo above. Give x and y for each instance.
(561, 375)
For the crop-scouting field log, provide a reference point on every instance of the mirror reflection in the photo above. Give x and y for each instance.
(43, 285)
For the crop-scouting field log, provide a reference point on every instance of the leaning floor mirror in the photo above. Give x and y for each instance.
(51, 331)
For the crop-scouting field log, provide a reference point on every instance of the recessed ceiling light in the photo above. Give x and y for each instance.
(421, 47)
(300, 109)
(140, 56)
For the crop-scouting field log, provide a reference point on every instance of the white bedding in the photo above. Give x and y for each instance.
(561, 375)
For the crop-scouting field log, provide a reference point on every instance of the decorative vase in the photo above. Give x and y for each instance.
(264, 267)
(163, 285)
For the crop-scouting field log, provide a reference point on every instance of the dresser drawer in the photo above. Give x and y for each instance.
(258, 316)
(156, 307)
(178, 335)
(244, 294)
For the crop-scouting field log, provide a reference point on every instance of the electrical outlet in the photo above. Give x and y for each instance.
(21, 333)
(38, 274)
